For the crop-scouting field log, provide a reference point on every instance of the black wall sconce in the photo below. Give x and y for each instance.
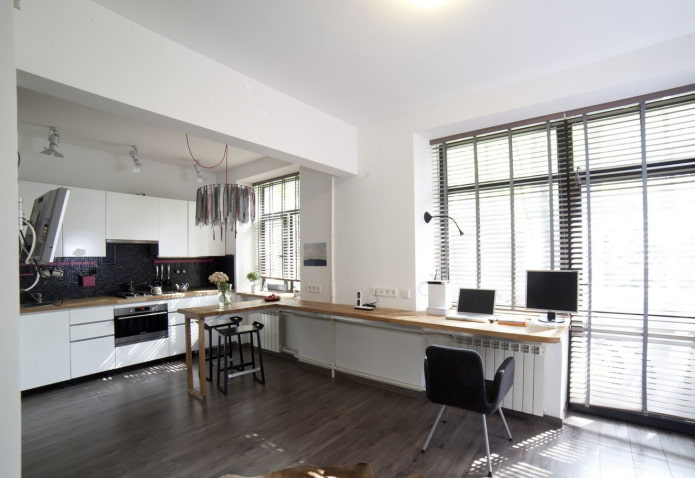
(428, 218)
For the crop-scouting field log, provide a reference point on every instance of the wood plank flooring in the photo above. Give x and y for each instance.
(141, 423)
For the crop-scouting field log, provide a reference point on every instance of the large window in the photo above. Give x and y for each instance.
(608, 193)
(277, 231)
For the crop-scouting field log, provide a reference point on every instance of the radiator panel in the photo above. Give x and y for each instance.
(527, 393)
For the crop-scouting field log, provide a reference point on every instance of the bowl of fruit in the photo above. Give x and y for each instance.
(272, 298)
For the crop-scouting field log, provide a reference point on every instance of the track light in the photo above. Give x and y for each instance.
(136, 161)
(198, 175)
(53, 140)
(428, 218)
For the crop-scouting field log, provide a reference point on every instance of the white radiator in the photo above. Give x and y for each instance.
(270, 334)
(529, 365)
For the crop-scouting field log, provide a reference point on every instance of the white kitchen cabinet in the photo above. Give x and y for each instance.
(89, 315)
(202, 240)
(44, 349)
(92, 356)
(141, 352)
(131, 217)
(177, 334)
(173, 228)
(29, 191)
(84, 224)
(92, 348)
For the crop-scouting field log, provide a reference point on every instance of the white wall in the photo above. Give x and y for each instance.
(10, 407)
(316, 199)
(79, 51)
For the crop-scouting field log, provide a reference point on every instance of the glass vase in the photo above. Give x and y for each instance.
(223, 295)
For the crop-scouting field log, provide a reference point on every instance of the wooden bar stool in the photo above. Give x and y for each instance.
(217, 323)
(225, 361)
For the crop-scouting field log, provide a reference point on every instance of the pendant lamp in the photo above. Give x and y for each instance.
(223, 205)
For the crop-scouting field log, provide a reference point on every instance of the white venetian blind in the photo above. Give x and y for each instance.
(277, 228)
(607, 192)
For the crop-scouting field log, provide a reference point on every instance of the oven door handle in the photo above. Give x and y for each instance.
(124, 317)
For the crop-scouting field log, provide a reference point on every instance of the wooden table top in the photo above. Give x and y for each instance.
(112, 300)
(533, 332)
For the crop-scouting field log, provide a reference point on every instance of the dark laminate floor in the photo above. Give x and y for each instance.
(141, 423)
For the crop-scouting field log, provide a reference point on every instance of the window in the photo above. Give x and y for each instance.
(606, 192)
(277, 231)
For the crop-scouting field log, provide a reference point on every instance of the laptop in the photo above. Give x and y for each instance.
(476, 305)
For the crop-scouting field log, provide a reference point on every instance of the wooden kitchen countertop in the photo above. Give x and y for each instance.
(533, 332)
(113, 300)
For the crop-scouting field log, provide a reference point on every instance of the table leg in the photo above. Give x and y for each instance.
(189, 360)
(201, 359)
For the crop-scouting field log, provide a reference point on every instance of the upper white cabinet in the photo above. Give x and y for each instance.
(130, 217)
(173, 228)
(84, 224)
(203, 241)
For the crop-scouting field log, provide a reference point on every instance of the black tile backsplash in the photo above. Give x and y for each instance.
(123, 263)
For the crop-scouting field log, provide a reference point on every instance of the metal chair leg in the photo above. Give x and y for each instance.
(509, 434)
(434, 425)
(487, 447)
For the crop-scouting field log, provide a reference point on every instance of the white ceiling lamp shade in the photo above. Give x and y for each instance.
(53, 140)
(137, 164)
(224, 205)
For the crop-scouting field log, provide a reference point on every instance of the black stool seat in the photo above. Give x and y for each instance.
(225, 360)
(217, 323)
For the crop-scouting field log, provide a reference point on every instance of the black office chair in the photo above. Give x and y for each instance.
(455, 377)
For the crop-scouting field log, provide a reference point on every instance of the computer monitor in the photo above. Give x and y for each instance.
(46, 218)
(552, 291)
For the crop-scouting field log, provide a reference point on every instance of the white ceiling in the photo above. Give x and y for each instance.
(366, 60)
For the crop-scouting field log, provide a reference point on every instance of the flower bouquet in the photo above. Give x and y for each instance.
(221, 280)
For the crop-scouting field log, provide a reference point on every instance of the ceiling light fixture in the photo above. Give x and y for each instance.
(198, 175)
(53, 140)
(137, 164)
(428, 218)
(222, 204)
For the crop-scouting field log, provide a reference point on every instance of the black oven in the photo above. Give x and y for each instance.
(140, 323)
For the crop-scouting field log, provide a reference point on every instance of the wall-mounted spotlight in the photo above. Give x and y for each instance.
(137, 164)
(198, 175)
(53, 140)
(428, 218)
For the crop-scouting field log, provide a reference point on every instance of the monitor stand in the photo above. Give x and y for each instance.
(552, 319)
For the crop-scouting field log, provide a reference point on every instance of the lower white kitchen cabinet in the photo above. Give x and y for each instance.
(92, 356)
(134, 354)
(44, 349)
(177, 335)
(91, 341)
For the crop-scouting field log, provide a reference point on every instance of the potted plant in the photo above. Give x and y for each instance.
(253, 276)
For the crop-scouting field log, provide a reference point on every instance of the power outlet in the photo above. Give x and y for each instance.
(385, 292)
(404, 293)
(313, 288)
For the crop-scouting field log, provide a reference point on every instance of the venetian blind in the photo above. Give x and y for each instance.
(608, 193)
(277, 228)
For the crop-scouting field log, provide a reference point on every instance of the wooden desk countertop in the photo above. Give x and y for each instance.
(533, 332)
